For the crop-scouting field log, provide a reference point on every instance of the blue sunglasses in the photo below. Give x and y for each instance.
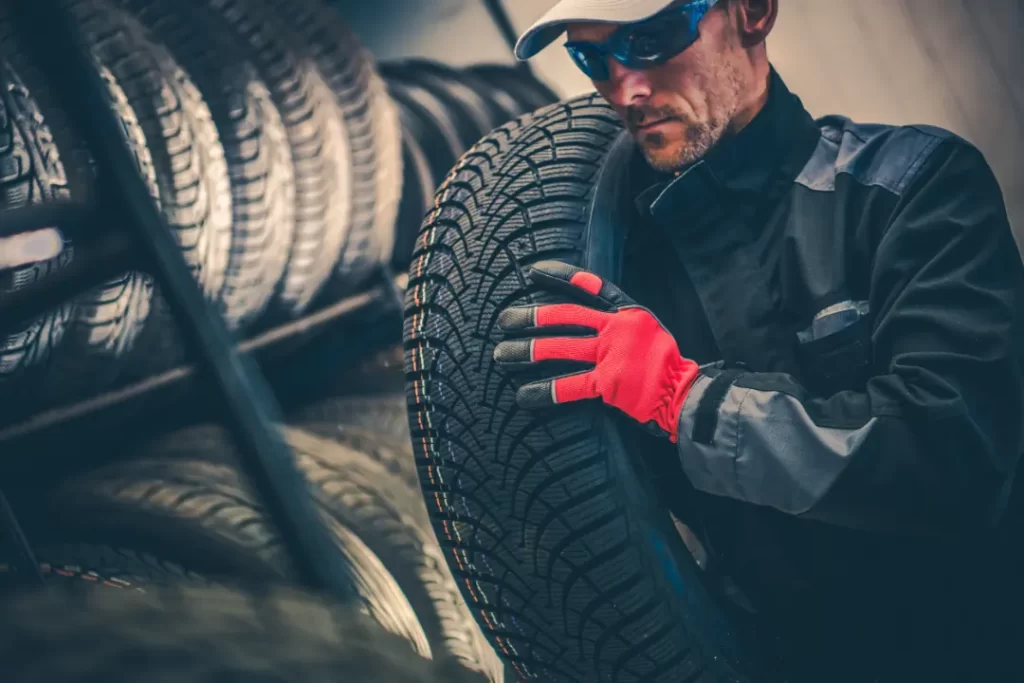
(643, 44)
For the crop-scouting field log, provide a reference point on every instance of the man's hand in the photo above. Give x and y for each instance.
(637, 367)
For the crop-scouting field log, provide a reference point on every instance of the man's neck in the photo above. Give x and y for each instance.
(754, 104)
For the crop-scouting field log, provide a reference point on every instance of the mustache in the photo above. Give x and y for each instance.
(636, 116)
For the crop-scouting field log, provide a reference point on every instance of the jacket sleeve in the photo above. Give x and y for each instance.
(930, 445)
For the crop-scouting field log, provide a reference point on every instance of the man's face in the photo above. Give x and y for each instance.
(678, 110)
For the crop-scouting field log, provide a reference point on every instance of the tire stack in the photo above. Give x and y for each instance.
(174, 510)
(444, 111)
(287, 164)
(289, 168)
(268, 140)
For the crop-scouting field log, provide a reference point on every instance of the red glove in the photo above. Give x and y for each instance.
(636, 365)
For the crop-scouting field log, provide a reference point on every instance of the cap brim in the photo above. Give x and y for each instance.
(566, 12)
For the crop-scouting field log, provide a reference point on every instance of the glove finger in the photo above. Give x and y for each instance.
(576, 387)
(528, 318)
(578, 283)
(525, 352)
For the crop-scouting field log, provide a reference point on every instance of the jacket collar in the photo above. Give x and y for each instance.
(768, 153)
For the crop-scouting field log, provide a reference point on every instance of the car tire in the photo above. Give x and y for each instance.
(430, 123)
(191, 172)
(202, 516)
(472, 115)
(200, 633)
(256, 150)
(386, 415)
(351, 481)
(584, 576)
(526, 88)
(372, 126)
(77, 347)
(316, 138)
(417, 192)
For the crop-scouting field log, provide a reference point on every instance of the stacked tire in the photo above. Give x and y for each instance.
(268, 140)
(289, 170)
(443, 112)
(176, 511)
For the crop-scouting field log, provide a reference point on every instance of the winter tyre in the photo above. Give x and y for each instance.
(386, 513)
(183, 142)
(526, 88)
(427, 119)
(191, 171)
(256, 150)
(32, 170)
(316, 138)
(201, 516)
(417, 193)
(48, 161)
(577, 571)
(193, 633)
(371, 122)
(472, 114)
(386, 415)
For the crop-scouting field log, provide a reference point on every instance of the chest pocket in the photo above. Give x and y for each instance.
(834, 352)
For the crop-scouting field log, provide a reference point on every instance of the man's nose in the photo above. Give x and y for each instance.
(627, 87)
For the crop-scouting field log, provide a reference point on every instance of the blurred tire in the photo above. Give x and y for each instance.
(362, 422)
(417, 193)
(256, 149)
(378, 426)
(372, 126)
(109, 321)
(527, 89)
(352, 483)
(316, 137)
(494, 104)
(103, 565)
(430, 123)
(191, 172)
(199, 633)
(471, 114)
(171, 504)
(32, 170)
(47, 161)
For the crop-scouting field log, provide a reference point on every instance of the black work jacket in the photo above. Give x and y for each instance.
(855, 295)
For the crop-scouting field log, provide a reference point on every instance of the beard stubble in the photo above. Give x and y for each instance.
(723, 95)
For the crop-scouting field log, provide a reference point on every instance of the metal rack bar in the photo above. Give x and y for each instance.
(499, 15)
(95, 262)
(251, 412)
(24, 560)
(88, 409)
(72, 218)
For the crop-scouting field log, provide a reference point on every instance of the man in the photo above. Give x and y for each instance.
(829, 340)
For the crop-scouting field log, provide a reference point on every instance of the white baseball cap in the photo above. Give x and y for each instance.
(553, 24)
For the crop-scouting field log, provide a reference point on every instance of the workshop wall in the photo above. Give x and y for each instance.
(950, 63)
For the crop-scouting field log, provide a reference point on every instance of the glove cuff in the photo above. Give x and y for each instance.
(679, 378)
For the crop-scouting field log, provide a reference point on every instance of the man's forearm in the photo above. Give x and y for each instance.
(760, 438)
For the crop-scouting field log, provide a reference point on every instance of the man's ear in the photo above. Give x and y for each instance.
(755, 20)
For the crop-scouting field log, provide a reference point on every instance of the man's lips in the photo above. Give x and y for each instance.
(653, 124)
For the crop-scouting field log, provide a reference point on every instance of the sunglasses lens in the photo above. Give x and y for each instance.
(660, 39)
(590, 61)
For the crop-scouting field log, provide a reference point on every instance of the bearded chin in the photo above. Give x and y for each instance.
(669, 156)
